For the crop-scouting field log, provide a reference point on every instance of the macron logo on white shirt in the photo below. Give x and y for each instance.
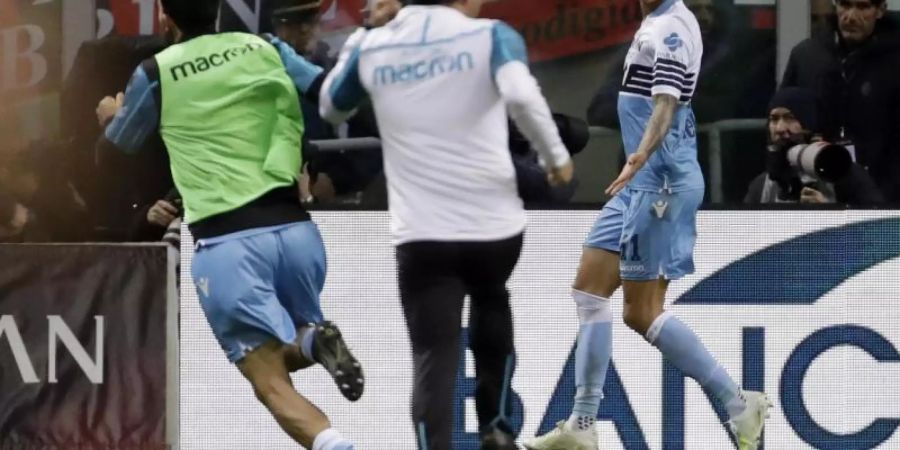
(424, 69)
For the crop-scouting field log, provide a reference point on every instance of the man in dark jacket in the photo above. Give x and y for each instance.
(116, 188)
(853, 70)
(793, 120)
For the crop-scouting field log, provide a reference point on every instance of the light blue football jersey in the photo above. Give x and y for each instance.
(663, 59)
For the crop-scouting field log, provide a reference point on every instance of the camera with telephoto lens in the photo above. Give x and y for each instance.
(793, 165)
(822, 160)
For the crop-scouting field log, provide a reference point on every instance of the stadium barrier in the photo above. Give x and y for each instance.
(88, 347)
(714, 132)
(801, 304)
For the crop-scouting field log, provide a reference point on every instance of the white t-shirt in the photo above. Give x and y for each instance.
(442, 86)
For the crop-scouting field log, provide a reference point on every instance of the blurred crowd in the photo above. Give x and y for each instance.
(832, 127)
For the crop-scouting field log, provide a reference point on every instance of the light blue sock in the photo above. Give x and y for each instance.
(684, 350)
(592, 354)
(306, 342)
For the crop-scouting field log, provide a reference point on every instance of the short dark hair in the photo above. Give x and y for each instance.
(430, 2)
(192, 15)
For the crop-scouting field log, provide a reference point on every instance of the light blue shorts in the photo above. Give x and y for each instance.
(260, 284)
(654, 233)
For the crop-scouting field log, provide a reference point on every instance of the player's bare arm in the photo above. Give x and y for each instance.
(664, 106)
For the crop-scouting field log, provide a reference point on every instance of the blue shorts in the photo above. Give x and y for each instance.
(260, 284)
(654, 233)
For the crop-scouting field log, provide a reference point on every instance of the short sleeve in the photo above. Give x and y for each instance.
(671, 63)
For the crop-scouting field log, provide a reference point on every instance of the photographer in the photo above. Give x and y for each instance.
(819, 173)
(852, 69)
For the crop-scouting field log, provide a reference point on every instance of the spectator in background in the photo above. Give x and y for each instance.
(379, 12)
(822, 16)
(853, 70)
(13, 218)
(327, 176)
(46, 205)
(793, 121)
(531, 178)
(117, 190)
(156, 221)
(296, 22)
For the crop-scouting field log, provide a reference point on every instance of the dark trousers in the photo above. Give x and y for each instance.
(434, 280)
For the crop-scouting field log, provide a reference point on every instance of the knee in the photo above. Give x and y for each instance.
(591, 308)
(599, 287)
(638, 319)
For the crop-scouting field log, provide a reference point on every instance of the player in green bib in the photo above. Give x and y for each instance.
(227, 107)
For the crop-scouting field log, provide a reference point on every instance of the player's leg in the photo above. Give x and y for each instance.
(300, 277)
(596, 281)
(658, 245)
(432, 295)
(235, 278)
(266, 371)
(486, 268)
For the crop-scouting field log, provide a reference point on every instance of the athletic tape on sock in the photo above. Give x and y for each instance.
(656, 327)
(330, 439)
(592, 308)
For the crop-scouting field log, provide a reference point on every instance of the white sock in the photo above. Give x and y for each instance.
(331, 439)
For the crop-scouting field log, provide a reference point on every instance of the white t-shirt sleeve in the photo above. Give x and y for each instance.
(525, 104)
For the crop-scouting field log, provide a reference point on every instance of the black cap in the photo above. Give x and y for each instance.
(296, 11)
(802, 104)
(192, 15)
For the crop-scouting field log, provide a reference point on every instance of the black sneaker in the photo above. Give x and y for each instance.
(497, 439)
(330, 350)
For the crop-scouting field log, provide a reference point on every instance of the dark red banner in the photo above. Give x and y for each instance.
(82, 347)
(552, 29)
(555, 29)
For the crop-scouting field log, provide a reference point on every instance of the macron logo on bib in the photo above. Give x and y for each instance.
(204, 63)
